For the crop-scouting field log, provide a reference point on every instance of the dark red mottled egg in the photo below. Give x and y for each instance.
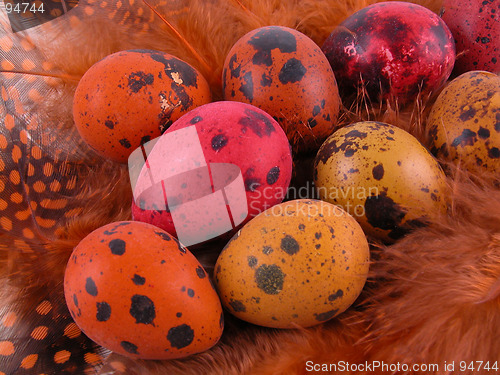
(135, 290)
(392, 49)
(475, 25)
(283, 72)
(229, 133)
(130, 97)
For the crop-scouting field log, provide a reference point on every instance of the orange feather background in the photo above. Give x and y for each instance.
(433, 296)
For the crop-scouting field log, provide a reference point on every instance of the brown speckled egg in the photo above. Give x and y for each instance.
(131, 97)
(464, 123)
(283, 72)
(299, 263)
(381, 175)
(135, 290)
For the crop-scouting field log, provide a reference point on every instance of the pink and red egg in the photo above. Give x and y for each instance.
(475, 25)
(240, 134)
(393, 50)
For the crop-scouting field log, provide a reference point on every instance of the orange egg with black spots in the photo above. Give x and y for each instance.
(383, 176)
(283, 72)
(464, 123)
(299, 263)
(135, 290)
(131, 97)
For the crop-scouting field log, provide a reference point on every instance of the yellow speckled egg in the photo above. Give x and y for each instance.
(382, 176)
(464, 123)
(298, 263)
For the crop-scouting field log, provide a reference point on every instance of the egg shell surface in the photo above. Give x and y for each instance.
(283, 72)
(135, 290)
(392, 49)
(243, 135)
(383, 176)
(133, 96)
(464, 122)
(475, 26)
(299, 263)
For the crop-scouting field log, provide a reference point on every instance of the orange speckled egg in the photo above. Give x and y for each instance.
(383, 176)
(283, 72)
(464, 123)
(299, 263)
(131, 97)
(135, 290)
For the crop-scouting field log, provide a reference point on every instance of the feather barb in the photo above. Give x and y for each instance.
(181, 38)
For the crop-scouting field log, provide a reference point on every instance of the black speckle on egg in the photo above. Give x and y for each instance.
(103, 311)
(349, 152)
(338, 294)
(196, 120)
(129, 347)
(251, 183)
(494, 153)
(302, 227)
(267, 250)
(180, 336)
(483, 133)
(235, 69)
(266, 80)
(312, 122)
(378, 172)
(90, 287)
(289, 245)
(316, 110)
(326, 315)
(218, 142)
(267, 39)
(142, 309)
(257, 122)
(138, 80)
(125, 143)
(75, 300)
(178, 315)
(246, 87)
(356, 134)
(117, 246)
(382, 212)
(237, 306)
(252, 261)
(292, 71)
(273, 175)
(164, 236)
(190, 292)
(200, 272)
(138, 280)
(468, 114)
(109, 124)
(317, 235)
(269, 278)
(467, 138)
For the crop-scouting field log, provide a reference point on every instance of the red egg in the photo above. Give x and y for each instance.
(475, 25)
(395, 49)
(135, 290)
(131, 97)
(230, 133)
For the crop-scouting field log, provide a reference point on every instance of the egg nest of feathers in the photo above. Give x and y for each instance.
(432, 296)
